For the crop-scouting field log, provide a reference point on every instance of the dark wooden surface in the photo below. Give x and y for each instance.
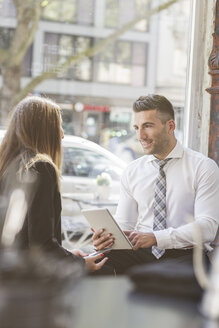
(112, 303)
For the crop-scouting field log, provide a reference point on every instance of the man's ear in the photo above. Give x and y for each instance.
(171, 126)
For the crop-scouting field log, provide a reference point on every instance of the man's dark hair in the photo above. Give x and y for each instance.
(160, 103)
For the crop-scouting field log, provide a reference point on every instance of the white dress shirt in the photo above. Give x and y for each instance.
(192, 197)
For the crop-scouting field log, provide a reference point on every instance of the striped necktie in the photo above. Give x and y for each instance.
(160, 204)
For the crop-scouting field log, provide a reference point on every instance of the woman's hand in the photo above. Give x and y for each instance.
(101, 241)
(79, 252)
(90, 262)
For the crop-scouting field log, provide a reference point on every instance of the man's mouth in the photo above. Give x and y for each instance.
(146, 144)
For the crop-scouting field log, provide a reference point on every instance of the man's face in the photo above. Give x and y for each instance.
(155, 137)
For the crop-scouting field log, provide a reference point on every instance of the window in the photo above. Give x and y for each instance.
(27, 62)
(59, 10)
(141, 6)
(122, 62)
(70, 11)
(7, 8)
(6, 35)
(120, 12)
(112, 13)
(58, 48)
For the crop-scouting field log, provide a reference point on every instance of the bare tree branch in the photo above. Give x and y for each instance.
(28, 16)
(3, 54)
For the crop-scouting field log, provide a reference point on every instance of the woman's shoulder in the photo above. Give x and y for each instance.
(44, 167)
(43, 174)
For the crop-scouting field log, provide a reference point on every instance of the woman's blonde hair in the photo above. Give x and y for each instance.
(34, 134)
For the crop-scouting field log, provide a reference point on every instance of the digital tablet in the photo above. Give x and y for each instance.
(101, 218)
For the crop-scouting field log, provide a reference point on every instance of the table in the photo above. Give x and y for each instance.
(113, 303)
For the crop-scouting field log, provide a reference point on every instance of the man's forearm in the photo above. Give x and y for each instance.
(185, 236)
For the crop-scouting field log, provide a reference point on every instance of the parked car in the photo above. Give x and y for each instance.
(83, 161)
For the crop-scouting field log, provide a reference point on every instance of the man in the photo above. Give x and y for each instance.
(165, 196)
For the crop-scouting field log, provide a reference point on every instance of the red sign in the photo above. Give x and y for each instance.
(104, 109)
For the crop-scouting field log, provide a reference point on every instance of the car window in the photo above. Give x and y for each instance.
(86, 163)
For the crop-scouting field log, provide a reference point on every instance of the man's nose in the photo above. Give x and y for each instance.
(140, 134)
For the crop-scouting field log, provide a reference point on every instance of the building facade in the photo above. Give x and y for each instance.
(97, 93)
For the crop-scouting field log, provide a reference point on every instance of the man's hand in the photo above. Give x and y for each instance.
(101, 241)
(141, 239)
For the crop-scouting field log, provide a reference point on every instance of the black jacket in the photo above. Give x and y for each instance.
(42, 225)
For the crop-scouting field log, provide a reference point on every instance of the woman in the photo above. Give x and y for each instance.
(30, 159)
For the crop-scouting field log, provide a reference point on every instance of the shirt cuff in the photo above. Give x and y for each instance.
(163, 239)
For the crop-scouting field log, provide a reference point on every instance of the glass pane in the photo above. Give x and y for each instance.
(27, 62)
(114, 73)
(50, 49)
(83, 70)
(75, 162)
(85, 12)
(111, 13)
(6, 35)
(139, 53)
(69, 11)
(103, 72)
(7, 8)
(58, 10)
(64, 74)
(81, 44)
(142, 25)
(52, 11)
(108, 54)
(86, 163)
(122, 74)
(140, 7)
(66, 45)
(138, 76)
(126, 11)
(123, 52)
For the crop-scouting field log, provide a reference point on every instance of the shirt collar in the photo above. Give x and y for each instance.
(177, 152)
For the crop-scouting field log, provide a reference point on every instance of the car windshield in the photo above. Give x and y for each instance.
(81, 162)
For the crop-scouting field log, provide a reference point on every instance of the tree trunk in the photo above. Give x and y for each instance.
(11, 77)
